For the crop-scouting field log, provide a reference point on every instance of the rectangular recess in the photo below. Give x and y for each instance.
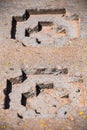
(46, 11)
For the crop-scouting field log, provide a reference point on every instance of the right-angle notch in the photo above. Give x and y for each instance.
(38, 28)
(19, 79)
(16, 19)
(42, 86)
(25, 96)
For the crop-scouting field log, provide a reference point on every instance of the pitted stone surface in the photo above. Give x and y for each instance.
(50, 28)
(31, 86)
(46, 91)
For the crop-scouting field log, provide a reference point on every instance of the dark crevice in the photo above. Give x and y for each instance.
(38, 89)
(23, 45)
(51, 71)
(26, 16)
(11, 68)
(61, 29)
(37, 112)
(43, 71)
(25, 96)
(24, 77)
(78, 91)
(37, 28)
(39, 42)
(46, 11)
(7, 91)
(20, 116)
(65, 113)
(16, 19)
(54, 106)
(27, 34)
(54, 70)
(40, 71)
(22, 18)
(63, 15)
(43, 86)
(13, 28)
(23, 100)
(19, 79)
(61, 71)
(65, 96)
(64, 71)
(45, 23)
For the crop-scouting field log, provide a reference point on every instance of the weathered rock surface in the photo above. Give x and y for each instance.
(43, 65)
